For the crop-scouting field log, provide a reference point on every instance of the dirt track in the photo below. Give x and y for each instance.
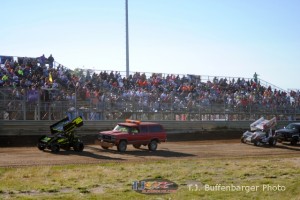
(30, 156)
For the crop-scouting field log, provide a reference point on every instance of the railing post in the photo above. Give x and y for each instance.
(24, 106)
(39, 106)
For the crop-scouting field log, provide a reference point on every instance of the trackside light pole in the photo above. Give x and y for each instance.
(127, 40)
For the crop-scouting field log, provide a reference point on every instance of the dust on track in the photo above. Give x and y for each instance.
(93, 154)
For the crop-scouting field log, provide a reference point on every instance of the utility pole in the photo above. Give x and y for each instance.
(127, 40)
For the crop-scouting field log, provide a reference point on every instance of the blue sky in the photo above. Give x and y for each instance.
(234, 38)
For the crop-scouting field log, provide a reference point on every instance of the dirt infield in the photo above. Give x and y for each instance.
(31, 156)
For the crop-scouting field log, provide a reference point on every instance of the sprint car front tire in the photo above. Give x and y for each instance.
(243, 139)
(41, 146)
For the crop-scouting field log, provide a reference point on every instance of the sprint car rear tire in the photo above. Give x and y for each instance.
(55, 148)
(79, 146)
(272, 142)
(255, 142)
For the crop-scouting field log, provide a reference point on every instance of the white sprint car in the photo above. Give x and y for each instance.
(260, 133)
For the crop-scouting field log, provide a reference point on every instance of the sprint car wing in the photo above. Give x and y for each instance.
(263, 124)
(65, 125)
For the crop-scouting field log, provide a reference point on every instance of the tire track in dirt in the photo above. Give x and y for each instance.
(93, 154)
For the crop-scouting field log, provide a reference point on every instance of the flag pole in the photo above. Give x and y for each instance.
(127, 39)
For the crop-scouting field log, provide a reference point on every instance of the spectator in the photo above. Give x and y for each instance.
(50, 61)
(255, 77)
(155, 92)
(42, 60)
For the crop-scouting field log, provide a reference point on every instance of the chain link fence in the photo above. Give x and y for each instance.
(48, 104)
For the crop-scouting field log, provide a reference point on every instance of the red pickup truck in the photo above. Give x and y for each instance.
(133, 132)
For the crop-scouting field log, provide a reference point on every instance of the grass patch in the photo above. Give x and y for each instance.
(261, 178)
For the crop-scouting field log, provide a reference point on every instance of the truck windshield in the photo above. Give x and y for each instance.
(290, 126)
(122, 128)
(293, 126)
(126, 129)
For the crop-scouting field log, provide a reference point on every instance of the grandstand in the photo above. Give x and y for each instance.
(36, 89)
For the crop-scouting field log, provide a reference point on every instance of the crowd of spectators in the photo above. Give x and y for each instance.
(33, 77)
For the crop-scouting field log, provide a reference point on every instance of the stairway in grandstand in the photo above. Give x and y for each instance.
(3, 96)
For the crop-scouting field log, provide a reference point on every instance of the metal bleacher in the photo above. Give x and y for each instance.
(21, 109)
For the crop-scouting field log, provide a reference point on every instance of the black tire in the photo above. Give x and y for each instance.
(255, 142)
(55, 148)
(272, 141)
(78, 146)
(122, 146)
(137, 146)
(243, 139)
(294, 141)
(152, 146)
(41, 146)
(104, 147)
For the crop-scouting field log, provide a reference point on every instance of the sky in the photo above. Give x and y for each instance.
(228, 38)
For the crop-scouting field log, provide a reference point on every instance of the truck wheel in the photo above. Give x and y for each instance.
(122, 146)
(137, 146)
(55, 148)
(152, 146)
(294, 141)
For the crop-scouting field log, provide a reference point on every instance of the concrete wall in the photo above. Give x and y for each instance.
(27, 133)
(92, 127)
